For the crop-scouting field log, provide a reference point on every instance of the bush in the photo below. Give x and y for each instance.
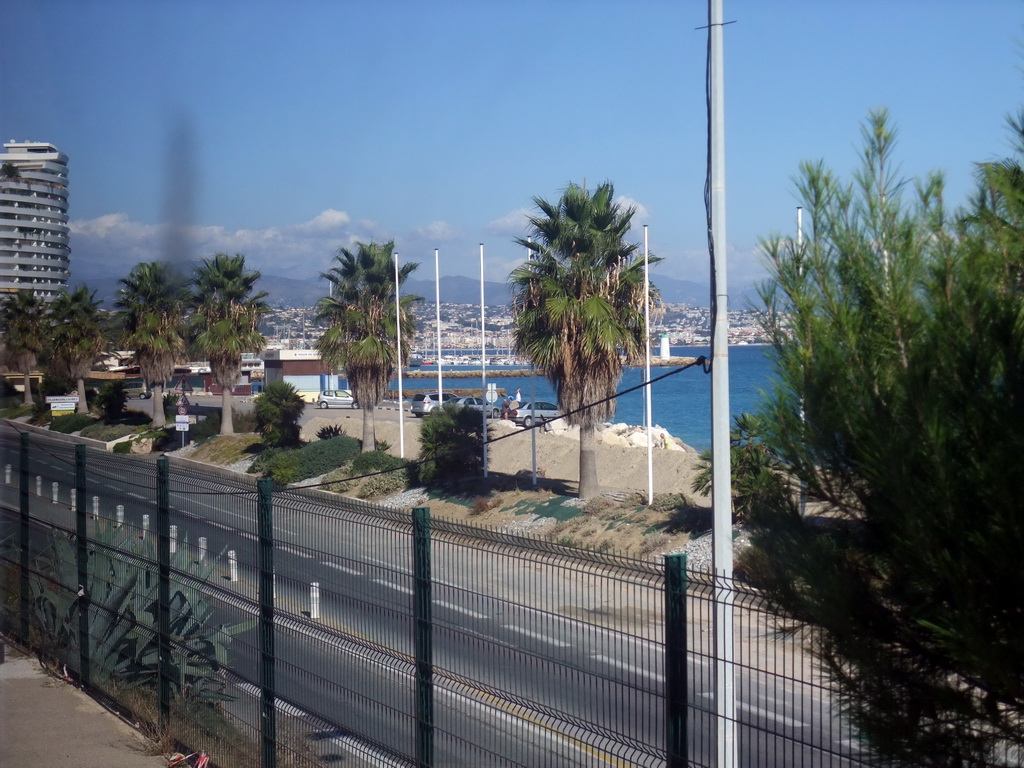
(376, 461)
(108, 432)
(384, 484)
(244, 421)
(321, 457)
(451, 444)
(72, 422)
(111, 400)
(284, 467)
(329, 431)
(205, 428)
(124, 446)
(278, 410)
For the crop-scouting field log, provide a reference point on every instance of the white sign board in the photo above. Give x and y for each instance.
(181, 419)
(63, 406)
(51, 399)
(181, 427)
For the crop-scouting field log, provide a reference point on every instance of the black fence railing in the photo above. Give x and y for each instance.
(294, 628)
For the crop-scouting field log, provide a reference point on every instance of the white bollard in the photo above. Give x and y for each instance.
(232, 565)
(39, 485)
(96, 506)
(202, 548)
(7, 474)
(174, 539)
(145, 525)
(314, 600)
(74, 500)
(120, 515)
(56, 485)
(273, 592)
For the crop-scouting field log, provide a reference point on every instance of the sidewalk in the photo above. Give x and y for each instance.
(49, 723)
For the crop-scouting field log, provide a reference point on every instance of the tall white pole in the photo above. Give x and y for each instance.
(398, 334)
(721, 470)
(483, 355)
(648, 418)
(533, 396)
(437, 320)
(803, 415)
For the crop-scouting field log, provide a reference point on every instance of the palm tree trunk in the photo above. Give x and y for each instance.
(83, 406)
(589, 487)
(28, 389)
(227, 425)
(369, 429)
(157, 396)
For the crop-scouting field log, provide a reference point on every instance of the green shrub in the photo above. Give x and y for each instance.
(384, 484)
(111, 400)
(124, 446)
(285, 467)
(376, 461)
(262, 461)
(108, 432)
(72, 422)
(451, 445)
(244, 421)
(338, 480)
(321, 457)
(205, 428)
(329, 431)
(278, 410)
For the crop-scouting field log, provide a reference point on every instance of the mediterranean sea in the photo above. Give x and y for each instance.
(680, 402)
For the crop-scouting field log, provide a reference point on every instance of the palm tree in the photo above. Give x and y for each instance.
(10, 172)
(225, 321)
(578, 305)
(23, 323)
(362, 338)
(78, 336)
(152, 304)
(278, 410)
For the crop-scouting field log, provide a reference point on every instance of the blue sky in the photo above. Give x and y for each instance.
(284, 130)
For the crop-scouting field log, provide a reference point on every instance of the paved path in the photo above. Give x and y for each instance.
(48, 723)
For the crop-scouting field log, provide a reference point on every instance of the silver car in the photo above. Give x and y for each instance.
(528, 414)
(424, 402)
(479, 404)
(336, 398)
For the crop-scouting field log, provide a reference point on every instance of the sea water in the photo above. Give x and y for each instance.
(680, 399)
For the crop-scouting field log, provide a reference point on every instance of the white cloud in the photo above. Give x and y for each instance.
(436, 232)
(512, 224)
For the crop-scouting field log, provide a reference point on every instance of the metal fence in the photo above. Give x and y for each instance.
(292, 628)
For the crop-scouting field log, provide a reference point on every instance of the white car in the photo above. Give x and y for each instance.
(424, 402)
(336, 398)
(528, 414)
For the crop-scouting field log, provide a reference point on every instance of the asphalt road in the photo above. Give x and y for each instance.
(517, 673)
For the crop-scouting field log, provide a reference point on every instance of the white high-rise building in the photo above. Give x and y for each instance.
(34, 250)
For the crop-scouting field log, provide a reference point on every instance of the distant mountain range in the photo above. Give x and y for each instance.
(292, 292)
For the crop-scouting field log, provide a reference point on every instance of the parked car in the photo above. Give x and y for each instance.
(479, 404)
(336, 398)
(424, 402)
(542, 411)
(137, 390)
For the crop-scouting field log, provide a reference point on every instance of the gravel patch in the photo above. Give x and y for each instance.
(698, 551)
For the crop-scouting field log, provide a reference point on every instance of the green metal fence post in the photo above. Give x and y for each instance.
(265, 562)
(163, 556)
(82, 537)
(23, 499)
(424, 641)
(676, 673)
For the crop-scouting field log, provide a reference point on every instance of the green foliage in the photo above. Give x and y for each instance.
(756, 479)
(206, 427)
(579, 306)
(71, 422)
(123, 588)
(278, 410)
(376, 461)
(386, 484)
(324, 455)
(451, 445)
(111, 400)
(124, 446)
(362, 328)
(108, 432)
(284, 466)
(328, 431)
(899, 354)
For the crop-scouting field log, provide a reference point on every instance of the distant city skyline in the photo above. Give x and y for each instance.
(284, 131)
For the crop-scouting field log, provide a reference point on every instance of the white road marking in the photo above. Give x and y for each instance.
(781, 719)
(537, 636)
(630, 668)
(460, 609)
(351, 571)
(392, 585)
